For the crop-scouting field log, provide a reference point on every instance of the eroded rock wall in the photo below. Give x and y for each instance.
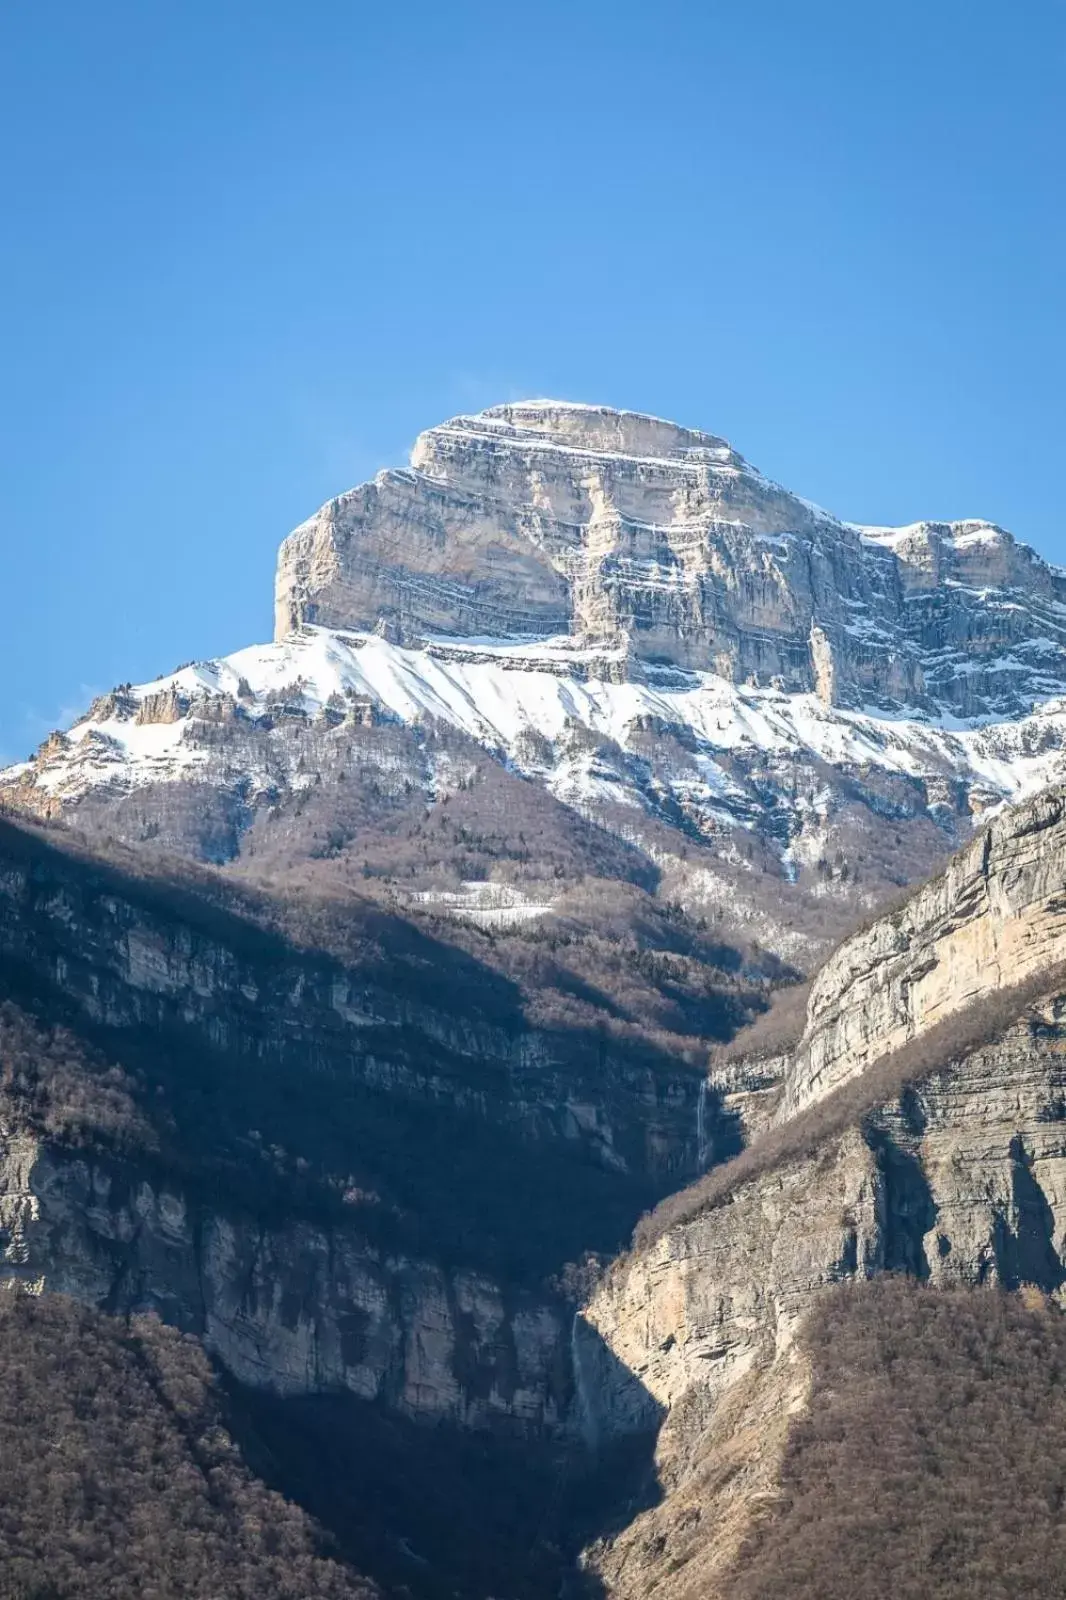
(995, 916)
(962, 1180)
(543, 518)
(290, 1307)
(273, 1078)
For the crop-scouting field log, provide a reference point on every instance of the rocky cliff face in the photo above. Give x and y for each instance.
(961, 1179)
(607, 526)
(964, 1179)
(295, 1308)
(336, 1183)
(993, 917)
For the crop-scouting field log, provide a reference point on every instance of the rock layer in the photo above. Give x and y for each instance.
(960, 1180)
(294, 1308)
(543, 518)
(336, 1191)
(994, 917)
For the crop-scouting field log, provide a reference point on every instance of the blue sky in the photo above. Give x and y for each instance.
(250, 248)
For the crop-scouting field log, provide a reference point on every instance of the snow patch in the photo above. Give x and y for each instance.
(518, 699)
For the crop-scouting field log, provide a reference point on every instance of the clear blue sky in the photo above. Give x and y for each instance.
(250, 248)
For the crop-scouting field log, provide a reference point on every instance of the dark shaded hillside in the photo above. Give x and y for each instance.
(436, 1512)
(427, 1100)
(120, 1481)
(932, 1463)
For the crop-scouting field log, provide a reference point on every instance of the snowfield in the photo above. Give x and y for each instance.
(529, 702)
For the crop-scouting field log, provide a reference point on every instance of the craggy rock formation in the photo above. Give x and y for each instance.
(291, 1307)
(964, 1179)
(959, 1180)
(357, 1176)
(996, 914)
(543, 518)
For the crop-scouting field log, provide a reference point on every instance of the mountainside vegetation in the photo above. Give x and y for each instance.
(931, 1462)
(119, 1477)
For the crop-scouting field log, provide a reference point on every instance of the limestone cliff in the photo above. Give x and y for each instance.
(294, 1307)
(357, 1175)
(963, 1179)
(960, 1179)
(996, 914)
(542, 518)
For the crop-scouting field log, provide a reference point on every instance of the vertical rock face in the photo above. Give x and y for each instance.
(995, 915)
(419, 1022)
(542, 518)
(294, 1307)
(361, 1177)
(963, 1180)
(959, 1180)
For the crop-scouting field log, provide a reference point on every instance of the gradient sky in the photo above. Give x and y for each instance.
(249, 249)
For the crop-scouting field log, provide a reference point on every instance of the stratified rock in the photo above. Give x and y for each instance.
(993, 918)
(960, 1179)
(543, 518)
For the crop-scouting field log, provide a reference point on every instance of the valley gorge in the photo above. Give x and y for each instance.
(618, 916)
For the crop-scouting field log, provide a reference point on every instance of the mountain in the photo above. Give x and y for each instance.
(634, 535)
(207, 1115)
(521, 1023)
(783, 715)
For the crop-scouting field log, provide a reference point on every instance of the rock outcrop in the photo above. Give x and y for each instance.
(960, 1179)
(953, 1181)
(542, 518)
(296, 1307)
(993, 917)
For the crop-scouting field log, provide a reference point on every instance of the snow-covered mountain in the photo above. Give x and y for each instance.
(629, 533)
(626, 613)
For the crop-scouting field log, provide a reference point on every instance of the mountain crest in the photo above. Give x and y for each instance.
(544, 518)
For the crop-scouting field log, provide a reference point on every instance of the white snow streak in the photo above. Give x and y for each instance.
(513, 695)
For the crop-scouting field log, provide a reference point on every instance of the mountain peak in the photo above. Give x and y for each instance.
(598, 429)
(615, 528)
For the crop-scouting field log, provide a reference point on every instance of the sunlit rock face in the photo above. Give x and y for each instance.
(958, 1179)
(542, 518)
(992, 919)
